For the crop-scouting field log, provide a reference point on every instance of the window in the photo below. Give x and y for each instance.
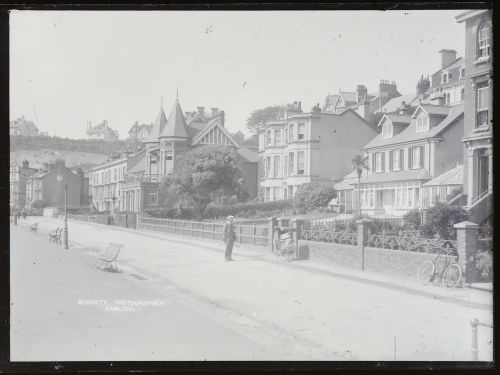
(290, 192)
(169, 164)
(300, 162)
(268, 194)
(115, 174)
(268, 135)
(447, 98)
(291, 166)
(277, 193)
(462, 94)
(285, 166)
(286, 135)
(462, 73)
(423, 123)
(153, 198)
(483, 101)
(484, 41)
(301, 131)
(277, 137)
(277, 166)
(291, 136)
(268, 167)
(387, 131)
(379, 160)
(444, 78)
(416, 157)
(396, 160)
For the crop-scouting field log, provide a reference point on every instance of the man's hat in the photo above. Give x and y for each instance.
(230, 217)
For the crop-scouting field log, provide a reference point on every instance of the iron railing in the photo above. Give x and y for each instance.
(411, 242)
(246, 234)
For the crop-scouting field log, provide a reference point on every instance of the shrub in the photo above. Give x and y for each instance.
(457, 191)
(413, 219)
(442, 217)
(313, 195)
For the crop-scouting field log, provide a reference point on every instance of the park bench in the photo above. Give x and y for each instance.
(107, 259)
(34, 227)
(55, 235)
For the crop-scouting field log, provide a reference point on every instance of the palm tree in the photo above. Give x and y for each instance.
(359, 163)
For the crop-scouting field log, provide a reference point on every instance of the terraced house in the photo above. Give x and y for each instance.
(414, 146)
(478, 101)
(308, 147)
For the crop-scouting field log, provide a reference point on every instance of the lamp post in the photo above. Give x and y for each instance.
(60, 178)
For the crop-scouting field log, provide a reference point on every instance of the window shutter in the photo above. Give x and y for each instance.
(383, 161)
(422, 156)
(401, 158)
(391, 159)
(410, 157)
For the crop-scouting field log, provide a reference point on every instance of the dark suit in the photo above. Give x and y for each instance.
(229, 236)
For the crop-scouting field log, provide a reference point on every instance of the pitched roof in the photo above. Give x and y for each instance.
(399, 119)
(411, 174)
(158, 126)
(431, 109)
(176, 124)
(214, 122)
(348, 96)
(194, 128)
(454, 176)
(248, 154)
(346, 182)
(410, 134)
(139, 167)
(395, 103)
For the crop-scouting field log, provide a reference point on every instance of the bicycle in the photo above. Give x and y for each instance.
(450, 273)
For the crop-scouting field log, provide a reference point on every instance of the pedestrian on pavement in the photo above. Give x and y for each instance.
(229, 236)
(24, 214)
(18, 214)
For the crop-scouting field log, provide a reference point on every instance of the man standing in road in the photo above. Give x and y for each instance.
(229, 236)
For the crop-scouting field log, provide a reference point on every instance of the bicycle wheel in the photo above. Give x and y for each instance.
(451, 276)
(426, 272)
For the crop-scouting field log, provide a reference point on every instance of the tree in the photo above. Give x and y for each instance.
(441, 218)
(261, 116)
(359, 163)
(239, 137)
(204, 172)
(313, 195)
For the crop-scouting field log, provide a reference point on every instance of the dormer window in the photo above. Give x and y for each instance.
(387, 130)
(422, 123)
(462, 73)
(484, 41)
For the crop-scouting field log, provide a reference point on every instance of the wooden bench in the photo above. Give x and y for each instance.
(55, 235)
(107, 259)
(34, 227)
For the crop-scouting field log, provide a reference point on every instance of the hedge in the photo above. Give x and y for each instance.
(239, 209)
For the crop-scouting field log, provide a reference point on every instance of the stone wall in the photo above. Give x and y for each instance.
(397, 263)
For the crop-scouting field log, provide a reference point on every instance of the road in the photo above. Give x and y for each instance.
(57, 314)
(297, 312)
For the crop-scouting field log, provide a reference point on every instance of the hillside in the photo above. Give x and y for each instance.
(36, 158)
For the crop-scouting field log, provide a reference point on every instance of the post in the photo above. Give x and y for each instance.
(474, 323)
(298, 224)
(271, 226)
(363, 228)
(466, 248)
(66, 216)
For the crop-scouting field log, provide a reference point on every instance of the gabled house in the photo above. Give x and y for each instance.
(21, 126)
(19, 174)
(168, 140)
(412, 148)
(138, 133)
(102, 132)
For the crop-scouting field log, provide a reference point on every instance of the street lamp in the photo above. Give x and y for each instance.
(60, 178)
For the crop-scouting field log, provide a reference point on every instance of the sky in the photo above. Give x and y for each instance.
(71, 67)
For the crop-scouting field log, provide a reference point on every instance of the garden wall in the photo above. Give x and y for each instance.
(388, 262)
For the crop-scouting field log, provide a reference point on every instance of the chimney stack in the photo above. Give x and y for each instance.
(26, 164)
(361, 93)
(222, 118)
(447, 57)
(215, 112)
(45, 166)
(299, 106)
(201, 111)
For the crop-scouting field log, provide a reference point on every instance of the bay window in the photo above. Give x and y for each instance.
(300, 162)
(291, 166)
(268, 167)
(291, 134)
(277, 166)
(484, 41)
(277, 136)
(301, 132)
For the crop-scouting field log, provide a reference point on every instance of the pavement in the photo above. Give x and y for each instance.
(316, 311)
